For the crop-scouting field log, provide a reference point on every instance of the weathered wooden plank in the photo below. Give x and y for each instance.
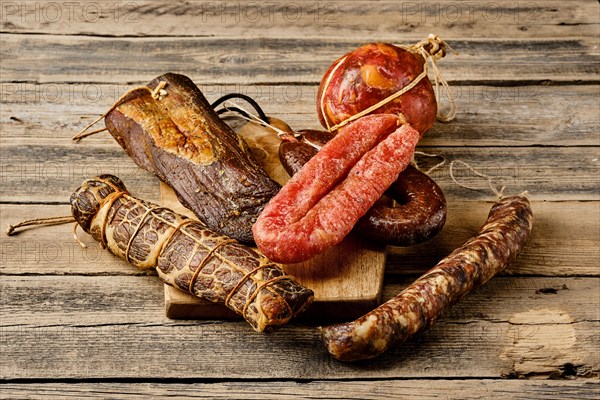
(49, 170)
(565, 236)
(565, 242)
(52, 249)
(234, 60)
(46, 172)
(346, 390)
(90, 300)
(105, 327)
(368, 20)
(487, 115)
(217, 350)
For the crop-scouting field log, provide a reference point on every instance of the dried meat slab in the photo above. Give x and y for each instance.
(178, 137)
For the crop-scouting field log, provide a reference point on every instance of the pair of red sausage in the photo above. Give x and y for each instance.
(323, 201)
(421, 210)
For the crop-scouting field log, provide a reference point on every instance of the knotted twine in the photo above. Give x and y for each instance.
(431, 49)
(489, 179)
(157, 93)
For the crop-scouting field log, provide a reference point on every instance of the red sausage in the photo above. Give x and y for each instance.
(419, 215)
(321, 204)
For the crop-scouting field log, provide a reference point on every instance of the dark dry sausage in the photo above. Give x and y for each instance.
(420, 215)
(418, 306)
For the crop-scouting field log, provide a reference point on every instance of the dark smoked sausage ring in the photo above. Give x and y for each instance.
(421, 212)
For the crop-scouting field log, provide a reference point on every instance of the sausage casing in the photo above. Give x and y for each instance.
(419, 215)
(495, 246)
(319, 206)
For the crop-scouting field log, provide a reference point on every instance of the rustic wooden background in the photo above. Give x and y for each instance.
(78, 322)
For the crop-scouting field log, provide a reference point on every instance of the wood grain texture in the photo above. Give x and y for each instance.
(370, 20)
(344, 390)
(268, 60)
(48, 171)
(487, 115)
(116, 330)
(138, 300)
(566, 245)
(565, 235)
(527, 86)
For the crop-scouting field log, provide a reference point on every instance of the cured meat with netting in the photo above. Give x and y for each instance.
(188, 255)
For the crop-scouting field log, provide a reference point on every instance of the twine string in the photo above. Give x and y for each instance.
(499, 193)
(327, 82)
(281, 134)
(157, 93)
(12, 229)
(75, 226)
(138, 228)
(430, 170)
(108, 202)
(260, 287)
(431, 49)
(205, 260)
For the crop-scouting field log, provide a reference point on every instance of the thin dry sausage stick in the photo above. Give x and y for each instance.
(321, 204)
(495, 246)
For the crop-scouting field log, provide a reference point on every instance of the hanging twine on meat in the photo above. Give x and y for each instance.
(499, 193)
(255, 119)
(430, 170)
(157, 93)
(431, 49)
(12, 229)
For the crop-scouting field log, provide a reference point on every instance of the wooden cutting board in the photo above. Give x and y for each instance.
(347, 279)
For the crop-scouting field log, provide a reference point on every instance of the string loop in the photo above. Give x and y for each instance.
(250, 117)
(431, 49)
(11, 229)
(430, 170)
(499, 193)
(157, 93)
